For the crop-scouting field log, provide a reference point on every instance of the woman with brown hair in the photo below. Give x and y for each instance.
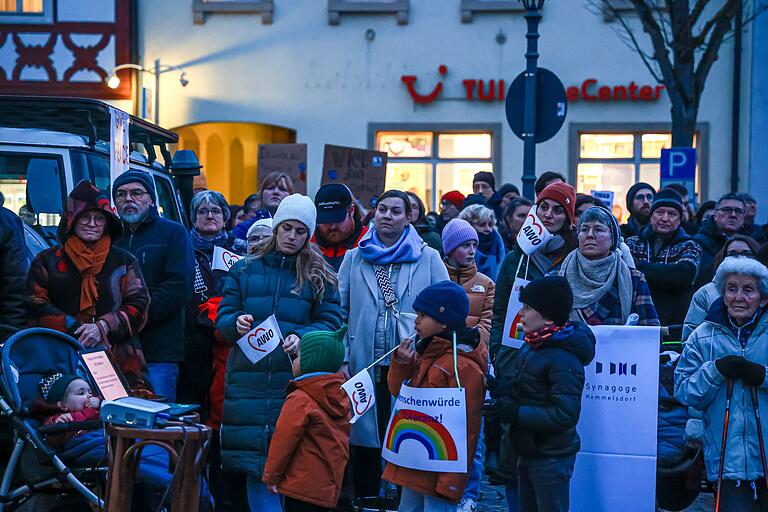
(90, 289)
(286, 277)
(275, 187)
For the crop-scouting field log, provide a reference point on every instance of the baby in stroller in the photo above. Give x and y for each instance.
(73, 400)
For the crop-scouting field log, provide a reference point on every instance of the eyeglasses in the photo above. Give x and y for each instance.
(746, 254)
(644, 197)
(97, 219)
(136, 193)
(597, 231)
(257, 239)
(204, 212)
(729, 210)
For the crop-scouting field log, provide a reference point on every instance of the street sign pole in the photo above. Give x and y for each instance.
(532, 18)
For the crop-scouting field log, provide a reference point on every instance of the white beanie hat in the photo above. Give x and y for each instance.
(296, 207)
(261, 223)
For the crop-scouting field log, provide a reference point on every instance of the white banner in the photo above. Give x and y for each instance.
(223, 259)
(261, 340)
(119, 143)
(533, 233)
(511, 337)
(606, 196)
(428, 430)
(361, 393)
(616, 467)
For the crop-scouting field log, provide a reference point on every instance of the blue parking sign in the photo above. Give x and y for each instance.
(678, 164)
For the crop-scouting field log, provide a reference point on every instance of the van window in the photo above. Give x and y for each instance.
(166, 206)
(33, 181)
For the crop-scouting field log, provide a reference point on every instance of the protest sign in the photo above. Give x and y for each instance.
(223, 259)
(261, 340)
(511, 336)
(428, 430)
(290, 159)
(364, 171)
(119, 143)
(616, 467)
(533, 233)
(361, 393)
(606, 196)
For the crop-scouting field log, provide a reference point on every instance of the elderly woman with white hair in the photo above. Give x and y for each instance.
(731, 349)
(490, 249)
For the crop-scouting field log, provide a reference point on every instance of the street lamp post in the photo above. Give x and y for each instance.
(113, 82)
(532, 18)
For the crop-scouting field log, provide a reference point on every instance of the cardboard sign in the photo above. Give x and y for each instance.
(606, 196)
(364, 171)
(428, 430)
(511, 337)
(290, 159)
(261, 340)
(533, 233)
(616, 467)
(361, 393)
(223, 259)
(119, 143)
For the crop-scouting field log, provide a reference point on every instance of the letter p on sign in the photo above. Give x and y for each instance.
(678, 164)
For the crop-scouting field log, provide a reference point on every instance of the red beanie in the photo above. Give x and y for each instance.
(454, 197)
(564, 195)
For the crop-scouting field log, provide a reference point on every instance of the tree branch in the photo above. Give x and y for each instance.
(660, 52)
(721, 28)
(631, 41)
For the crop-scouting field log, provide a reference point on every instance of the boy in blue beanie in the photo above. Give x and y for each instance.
(442, 310)
(540, 390)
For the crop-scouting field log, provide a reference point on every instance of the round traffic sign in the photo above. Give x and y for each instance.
(551, 105)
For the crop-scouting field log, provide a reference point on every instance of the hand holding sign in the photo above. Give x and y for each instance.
(533, 234)
(260, 341)
(223, 259)
(361, 393)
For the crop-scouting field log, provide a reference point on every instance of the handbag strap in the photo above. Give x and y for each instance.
(385, 285)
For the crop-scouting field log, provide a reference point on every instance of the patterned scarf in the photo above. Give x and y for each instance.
(538, 338)
(207, 243)
(88, 259)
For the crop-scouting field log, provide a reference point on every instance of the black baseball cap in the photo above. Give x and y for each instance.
(332, 201)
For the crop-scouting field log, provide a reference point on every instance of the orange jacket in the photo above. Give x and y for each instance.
(481, 291)
(434, 369)
(310, 448)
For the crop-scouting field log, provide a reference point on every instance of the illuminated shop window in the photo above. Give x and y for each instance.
(430, 163)
(21, 6)
(615, 161)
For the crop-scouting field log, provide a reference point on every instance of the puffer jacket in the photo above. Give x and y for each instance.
(254, 394)
(434, 369)
(480, 290)
(547, 383)
(310, 448)
(698, 384)
(670, 272)
(697, 312)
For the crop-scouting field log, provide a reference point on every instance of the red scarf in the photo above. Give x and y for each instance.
(538, 338)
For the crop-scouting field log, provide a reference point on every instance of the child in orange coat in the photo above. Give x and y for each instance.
(442, 311)
(310, 448)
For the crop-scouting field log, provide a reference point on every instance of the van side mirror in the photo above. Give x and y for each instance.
(44, 186)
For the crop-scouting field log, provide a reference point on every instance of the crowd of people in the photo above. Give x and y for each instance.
(348, 286)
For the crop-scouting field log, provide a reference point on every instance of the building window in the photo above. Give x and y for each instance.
(202, 8)
(400, 8)
(433, 162)
(616, 160)
(26, 11)
(471, 7)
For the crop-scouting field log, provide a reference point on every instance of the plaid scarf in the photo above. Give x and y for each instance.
(538, 338)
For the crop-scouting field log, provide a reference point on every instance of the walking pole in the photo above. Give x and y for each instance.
(728, 395)
(753, 392)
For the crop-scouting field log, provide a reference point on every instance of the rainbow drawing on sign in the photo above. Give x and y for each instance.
(420, 427)
(514, 332)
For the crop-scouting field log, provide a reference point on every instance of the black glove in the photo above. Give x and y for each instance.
(737, 367)
(507, 409)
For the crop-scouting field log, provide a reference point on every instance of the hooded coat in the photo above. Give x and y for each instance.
(434, 369)
(254, 393)
(54, 289)
(700, 385)
(310, 448)
(481, 291)
(547, 383)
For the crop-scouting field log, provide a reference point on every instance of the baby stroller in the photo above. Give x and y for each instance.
(34, 467)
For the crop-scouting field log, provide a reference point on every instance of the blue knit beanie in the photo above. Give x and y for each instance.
(455, 233)
(446, 302)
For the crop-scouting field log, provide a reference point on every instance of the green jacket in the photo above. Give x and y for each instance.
(254, 394)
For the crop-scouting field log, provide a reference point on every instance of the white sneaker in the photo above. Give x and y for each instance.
(467, 505)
